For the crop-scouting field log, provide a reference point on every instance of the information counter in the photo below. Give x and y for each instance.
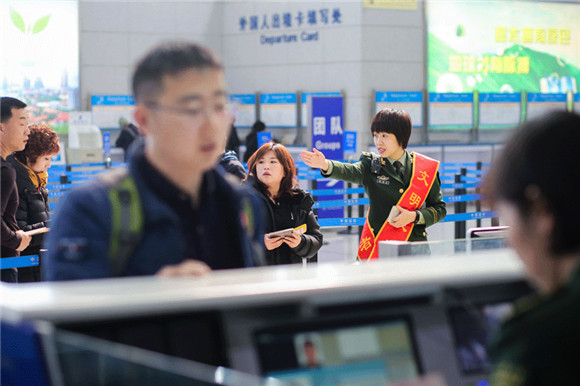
(385, 321)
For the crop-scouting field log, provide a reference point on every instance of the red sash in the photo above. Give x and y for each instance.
(424, 173)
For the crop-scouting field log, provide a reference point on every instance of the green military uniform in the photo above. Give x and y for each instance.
(385, 188)
(540, 344)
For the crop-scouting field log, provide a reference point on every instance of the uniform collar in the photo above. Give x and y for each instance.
(402, 159)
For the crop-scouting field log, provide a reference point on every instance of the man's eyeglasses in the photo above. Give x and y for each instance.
(219, 110)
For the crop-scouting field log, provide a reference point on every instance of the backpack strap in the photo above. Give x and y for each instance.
(126, 217)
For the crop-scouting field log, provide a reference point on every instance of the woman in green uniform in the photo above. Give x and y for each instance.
(533, 185)
(408, 182)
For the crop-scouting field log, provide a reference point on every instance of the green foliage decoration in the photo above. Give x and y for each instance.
(40, 24)
(18, 22)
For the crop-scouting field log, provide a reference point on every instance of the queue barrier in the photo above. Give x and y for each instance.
(61, 184)
(86, 165)
(314, 175)
(365, 201)
(338, 192)
(300, 164)
(19, 261)
(360, 221)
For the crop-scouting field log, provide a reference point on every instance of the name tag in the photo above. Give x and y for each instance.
(383, 180)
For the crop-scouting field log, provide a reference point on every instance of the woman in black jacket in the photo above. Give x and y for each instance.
(31, 166)
(271, 172)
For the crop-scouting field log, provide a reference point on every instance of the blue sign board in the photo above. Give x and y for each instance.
(279, 110)
(577, 97)
(305, 95)
(328, 137)
(112, 100)
(277, 98)
(245, 109)
(409, 101)
(496, 97)
(540, 97)
(107, 143)
(264, 137)
(398, 96)
(57, 159)
(349, 142)
(243, 99)
(451, 97)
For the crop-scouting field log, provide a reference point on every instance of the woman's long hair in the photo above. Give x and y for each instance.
(285, 159)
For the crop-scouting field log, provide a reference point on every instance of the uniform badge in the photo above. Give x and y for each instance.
(383, 180)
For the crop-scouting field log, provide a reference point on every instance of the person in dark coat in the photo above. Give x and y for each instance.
(129, 133)
(531, 185)
(252, 139)
(271, 171)
(13, 136)
(233, 143)
(31, 165)
(230, 162)
(193, 220)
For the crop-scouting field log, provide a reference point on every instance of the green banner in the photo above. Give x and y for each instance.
(482, 46)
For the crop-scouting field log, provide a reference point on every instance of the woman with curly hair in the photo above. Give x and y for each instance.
(31, 166)
(271, 172)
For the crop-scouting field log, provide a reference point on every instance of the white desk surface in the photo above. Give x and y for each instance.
(242, 288)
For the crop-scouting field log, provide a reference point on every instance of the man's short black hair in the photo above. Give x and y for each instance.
(393, 121)
(6, 105)
(168, 59)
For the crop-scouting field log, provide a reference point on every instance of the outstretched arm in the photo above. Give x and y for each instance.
(337, 170)
(315, 159)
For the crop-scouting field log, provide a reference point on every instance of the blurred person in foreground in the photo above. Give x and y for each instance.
(271, 172)
(31, 165)
(13, 136)
(193, 220)
(532, 185)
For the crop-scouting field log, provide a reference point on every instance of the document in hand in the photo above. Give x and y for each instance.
(37, 231)
(287, 232)
(393, 213)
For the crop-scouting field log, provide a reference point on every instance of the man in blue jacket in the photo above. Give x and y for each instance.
(193, 220)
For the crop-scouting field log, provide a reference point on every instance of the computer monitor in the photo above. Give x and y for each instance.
(494, 231)
(484, 238)
(374, 350)
(473, 327)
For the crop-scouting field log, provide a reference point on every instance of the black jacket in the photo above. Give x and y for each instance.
(10, 239)
(251, 145)
(300, 204)
(230, 163)
(127, 137)
(33, 210)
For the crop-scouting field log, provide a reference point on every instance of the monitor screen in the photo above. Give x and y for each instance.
(473, 328)
(484, 238)
(340, 352)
